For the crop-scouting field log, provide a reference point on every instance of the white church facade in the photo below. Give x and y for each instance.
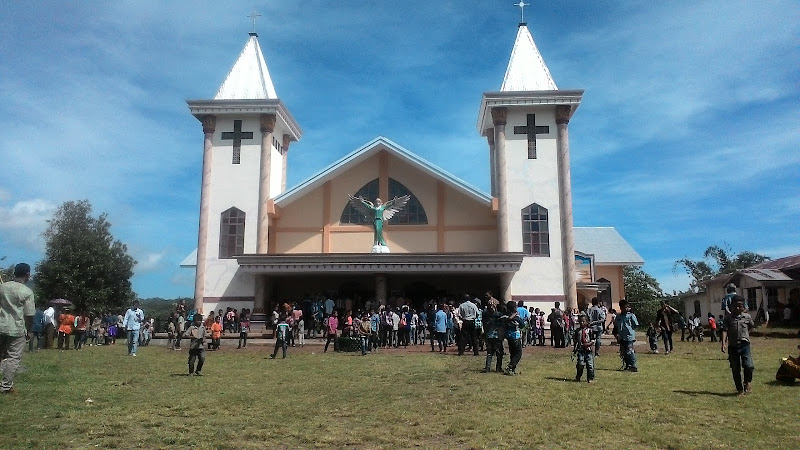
(260, 244)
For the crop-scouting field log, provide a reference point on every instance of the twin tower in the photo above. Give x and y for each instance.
(248, 131)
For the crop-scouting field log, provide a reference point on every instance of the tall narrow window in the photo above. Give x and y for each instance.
(412, 213)
(231, 233)
(535, 231)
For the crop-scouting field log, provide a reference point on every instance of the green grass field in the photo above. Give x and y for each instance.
(395, 399)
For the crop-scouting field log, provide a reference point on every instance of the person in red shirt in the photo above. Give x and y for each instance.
(216, 333)
(65, 321)
(712, 325)
(333, 325)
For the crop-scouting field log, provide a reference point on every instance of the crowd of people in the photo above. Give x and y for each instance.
(464, 324)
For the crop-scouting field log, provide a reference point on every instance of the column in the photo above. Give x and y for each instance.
(505, 286)
(262, 232)
(286, 141)
(492, 161)
(380, 288)
(260, 295)
(209, 125)
(499, 116)
(563, 113)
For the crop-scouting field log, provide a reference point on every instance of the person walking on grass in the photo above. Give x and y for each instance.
(712, 325)
(440, 326)
(626, 335)
(666, 323)
(332, 326)
(494, 338)
(584, 349)
(597, 322)
(513, 323)
(17, 309)
(216, 333)
(282, 333)
(652, 337)
(196, 335)
(133, 323)
(737, 338)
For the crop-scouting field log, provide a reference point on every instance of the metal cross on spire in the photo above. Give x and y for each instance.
(522, 6)
(253, 16)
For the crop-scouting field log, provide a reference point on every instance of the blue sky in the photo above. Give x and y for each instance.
(688, 134)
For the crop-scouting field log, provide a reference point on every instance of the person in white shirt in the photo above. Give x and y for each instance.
(132, 322)
(49, 327)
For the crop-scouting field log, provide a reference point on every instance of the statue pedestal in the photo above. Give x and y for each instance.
(380, 249)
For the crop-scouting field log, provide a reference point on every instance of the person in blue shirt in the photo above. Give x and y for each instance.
(525, 315)
(513, 325)
(374, 324)
(626, 335)
(37, 330)
(440, 325)
(494, 337)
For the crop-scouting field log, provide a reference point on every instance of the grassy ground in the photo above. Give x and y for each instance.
(395, 399)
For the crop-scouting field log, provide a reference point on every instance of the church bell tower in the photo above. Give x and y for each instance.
(247, 131)
(525, 124)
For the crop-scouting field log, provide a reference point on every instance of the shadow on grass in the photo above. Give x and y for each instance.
(715, 394)
(783, 384)
(179, 374)
(562, 379)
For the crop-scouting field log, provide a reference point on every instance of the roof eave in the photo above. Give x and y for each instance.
(200, 108)
(365, 151)
(495, 99)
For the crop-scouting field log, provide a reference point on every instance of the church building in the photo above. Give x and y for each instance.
(261, 244)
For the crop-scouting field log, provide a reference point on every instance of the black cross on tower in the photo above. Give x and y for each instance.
(532, 130)
(237, 135)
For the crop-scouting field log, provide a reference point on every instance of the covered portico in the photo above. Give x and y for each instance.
(380, 276)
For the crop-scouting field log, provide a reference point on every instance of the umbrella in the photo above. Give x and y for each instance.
(60, 302)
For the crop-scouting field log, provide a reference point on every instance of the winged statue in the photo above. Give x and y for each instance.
(379, 212)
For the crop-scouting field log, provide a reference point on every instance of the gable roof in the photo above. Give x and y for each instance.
(607, 246)
(369, 149)
(785, 263)
(249, 77)
(526, 69)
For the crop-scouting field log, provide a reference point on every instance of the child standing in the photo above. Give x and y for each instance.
(244, 327)
(712, 325)
(282, 333)
(300, 330)
(584, 348)
(738, 325)
(625, 324)
(652, 337)
(171, 334)
(513, 325)
(196, 334)
(216, 333)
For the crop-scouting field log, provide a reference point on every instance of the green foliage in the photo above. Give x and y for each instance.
(643, 292)
(717, 260)
(160, 309)
(83, 263)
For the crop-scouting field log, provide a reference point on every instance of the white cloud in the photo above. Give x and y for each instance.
(23, 222)
(149, 262)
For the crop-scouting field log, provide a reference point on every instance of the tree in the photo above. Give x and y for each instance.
(643, 292)
(717, 260)
(83, 263)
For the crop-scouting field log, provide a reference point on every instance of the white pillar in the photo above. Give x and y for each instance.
(262, 232)
(209, 125)
(499, 117)
(563, 113)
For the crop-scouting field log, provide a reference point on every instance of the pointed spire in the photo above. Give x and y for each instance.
(249, 77)
(526, 68)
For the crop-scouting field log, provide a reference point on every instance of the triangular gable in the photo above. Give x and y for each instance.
(366, 151)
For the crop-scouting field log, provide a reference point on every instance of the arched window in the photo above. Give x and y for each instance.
(231, 233)
(412, 214)
(535, 231)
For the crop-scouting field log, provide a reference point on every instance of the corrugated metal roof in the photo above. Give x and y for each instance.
(607, 246)
(765, 275)
(788, 262)
(249, 78)
(526, 69)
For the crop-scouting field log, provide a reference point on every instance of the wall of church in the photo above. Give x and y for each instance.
(349, 183)
(481, 241)
(411, 241)
(349, 242)
(223, 279)
(461, 210)
(230, 181)
(305, 212)
(298, 242)
(614, 275)
(534, 181)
